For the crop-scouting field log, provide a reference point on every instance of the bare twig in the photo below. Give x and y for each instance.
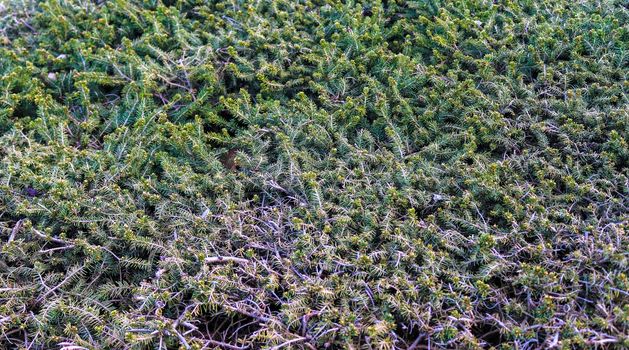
(225, 259)
(16, 229)
(289, 342)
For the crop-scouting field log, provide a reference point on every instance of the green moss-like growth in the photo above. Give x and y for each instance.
(314, 174)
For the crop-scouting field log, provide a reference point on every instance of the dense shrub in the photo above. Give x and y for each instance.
(314, 174)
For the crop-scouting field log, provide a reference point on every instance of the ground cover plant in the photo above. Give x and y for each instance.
(278, 174)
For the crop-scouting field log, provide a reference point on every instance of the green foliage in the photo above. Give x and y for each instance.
(310, 174)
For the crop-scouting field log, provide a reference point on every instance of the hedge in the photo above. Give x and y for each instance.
(275, 174)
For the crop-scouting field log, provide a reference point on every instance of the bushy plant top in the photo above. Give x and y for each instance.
(314, 174)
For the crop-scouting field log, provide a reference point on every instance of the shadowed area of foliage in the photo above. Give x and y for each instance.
(278, 174)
